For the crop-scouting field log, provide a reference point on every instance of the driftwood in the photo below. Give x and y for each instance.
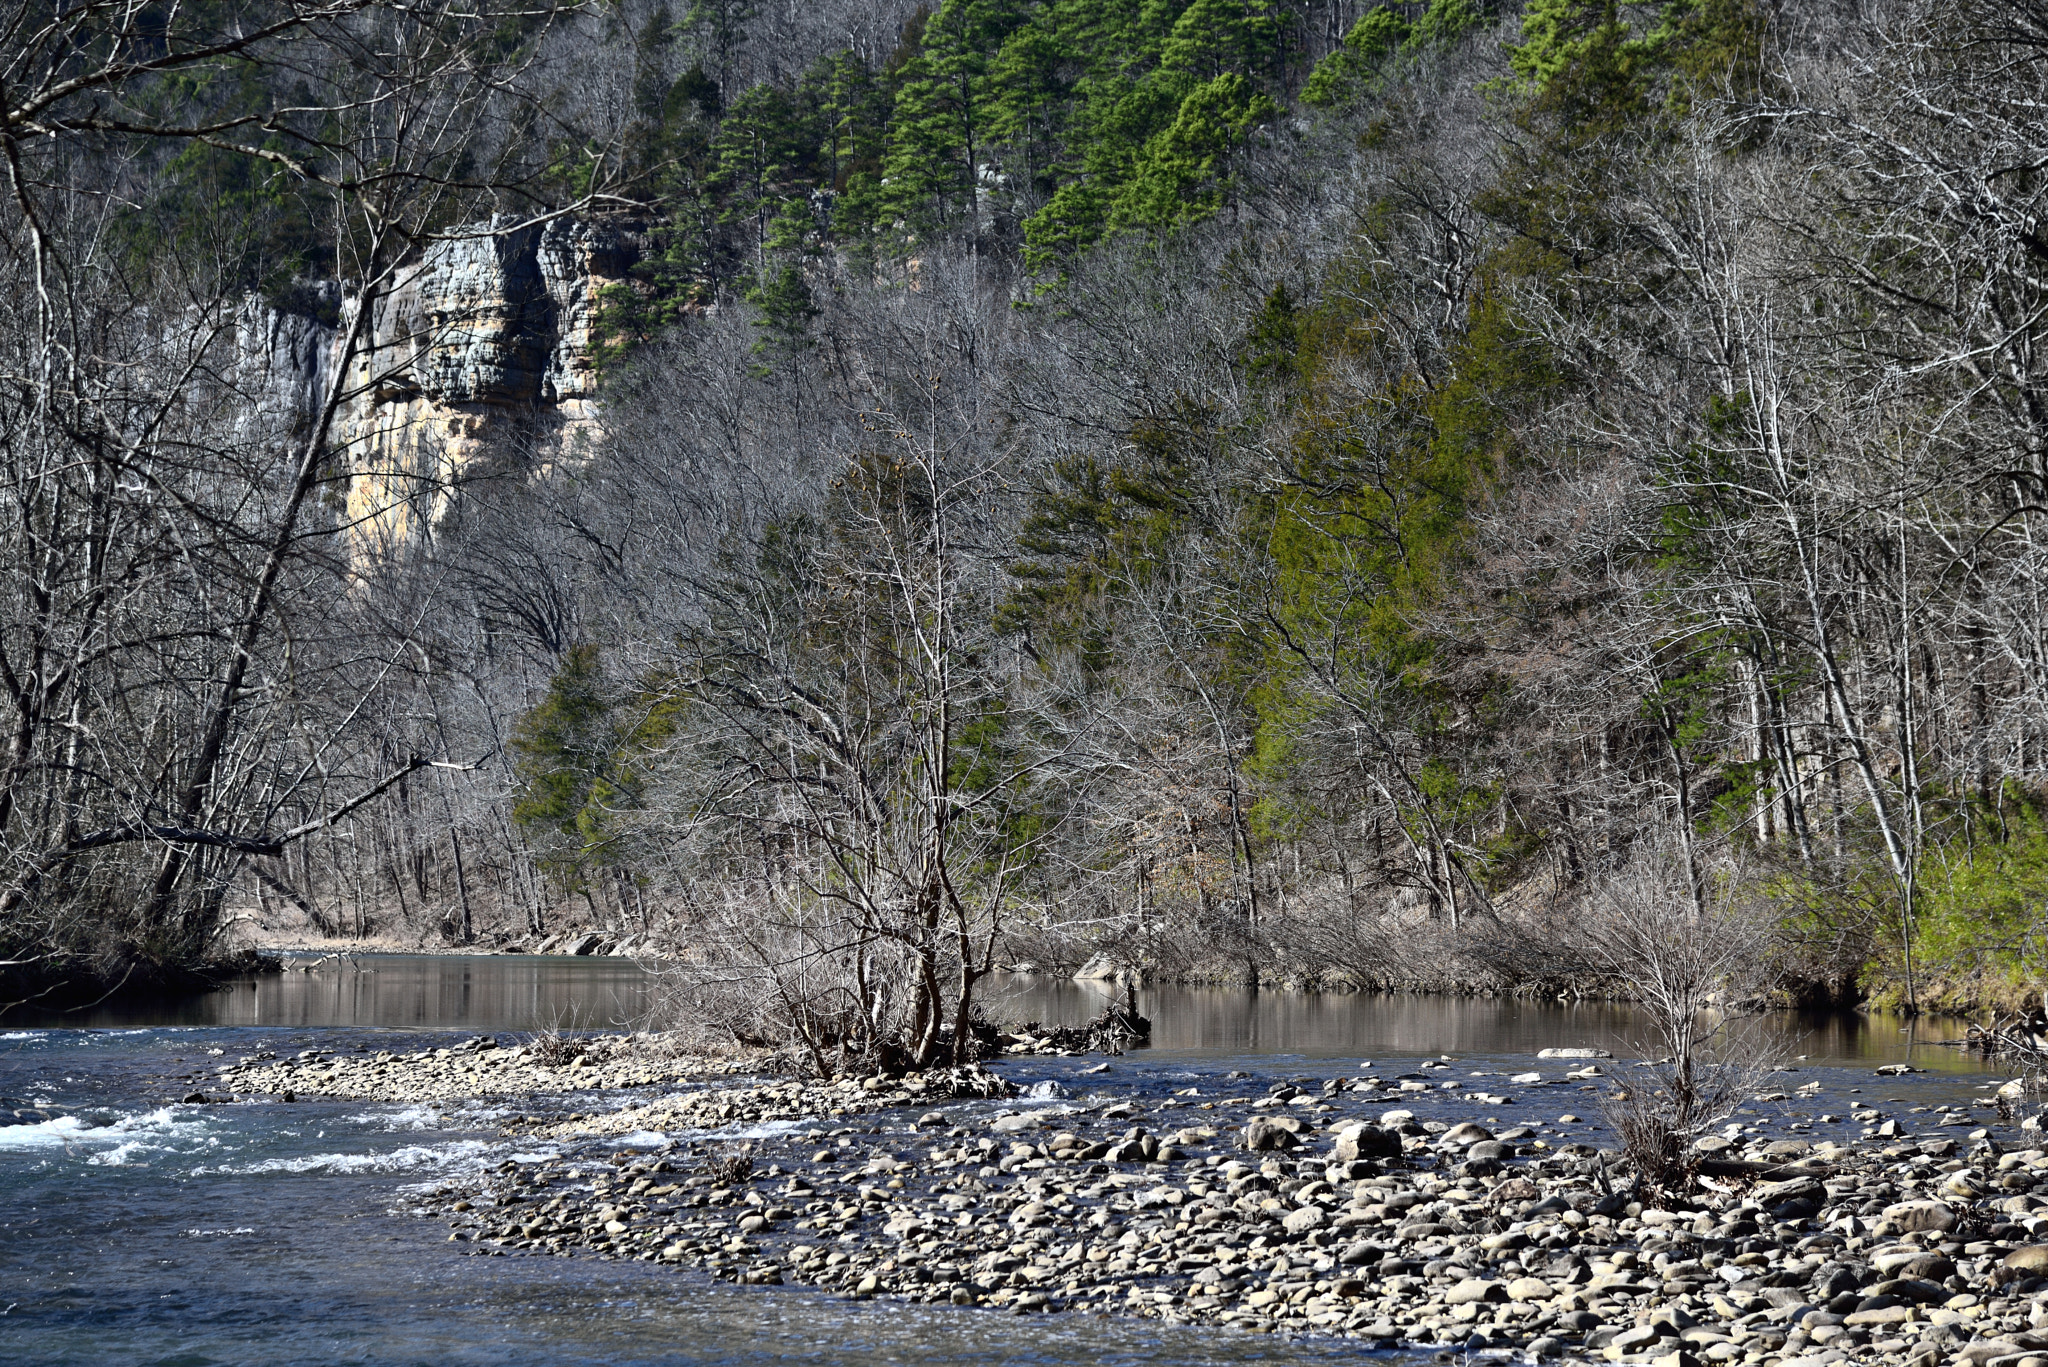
(1769, 1172)
(2018, 1039)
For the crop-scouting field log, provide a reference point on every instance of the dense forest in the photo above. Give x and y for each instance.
(1264, 490)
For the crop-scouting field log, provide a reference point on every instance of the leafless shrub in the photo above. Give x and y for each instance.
(729, 1165)
(1043, 948)
(1112, 1030)
(842, 849)
(552, 1045)
(770, 971)
(675, 1044)
(970, 1082)
(1690, 970)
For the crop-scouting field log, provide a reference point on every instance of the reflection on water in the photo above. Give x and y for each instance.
(1213, 1021)
(406, 991)
(527, 992)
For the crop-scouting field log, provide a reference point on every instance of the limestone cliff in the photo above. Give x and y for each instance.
(479, 357)
(283, 360)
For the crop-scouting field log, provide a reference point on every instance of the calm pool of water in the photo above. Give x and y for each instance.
(514, 992)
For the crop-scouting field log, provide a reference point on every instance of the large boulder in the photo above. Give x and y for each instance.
(1269, 1134)
(2031, 1261)
(1792, 1189)
(1476, 1291)
(1299, 1222)
(2021, 1264)
(1981, 1351)
(1910, 1289)
(1366, 1141)
(1913, 1217)
(1360, 1254)
(1929, 1267)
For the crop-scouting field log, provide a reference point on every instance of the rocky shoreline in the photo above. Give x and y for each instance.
(473, 1069)
(1388, 1209)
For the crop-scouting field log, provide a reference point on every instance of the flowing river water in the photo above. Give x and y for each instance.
(136, 1228)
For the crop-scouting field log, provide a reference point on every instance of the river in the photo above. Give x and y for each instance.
(135, 1228)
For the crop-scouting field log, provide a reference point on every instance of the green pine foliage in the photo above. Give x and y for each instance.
(565, 767)
(1342, 77)
(580, 758)
(1333, 620)
(1182, 176)
(1049, 124)
(1980, 923)
(945, 102)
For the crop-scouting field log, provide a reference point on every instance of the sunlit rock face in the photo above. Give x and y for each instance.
(479, 359)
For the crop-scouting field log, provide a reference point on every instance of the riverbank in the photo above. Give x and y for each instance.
(1384, 1208)
(1519, 961)
(1975, 998)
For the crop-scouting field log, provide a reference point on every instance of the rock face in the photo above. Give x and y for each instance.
(479, 356)
(284, 360)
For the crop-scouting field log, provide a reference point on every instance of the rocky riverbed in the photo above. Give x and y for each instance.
(1408, 1209)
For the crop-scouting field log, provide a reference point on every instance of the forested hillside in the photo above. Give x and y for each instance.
(1281, 492)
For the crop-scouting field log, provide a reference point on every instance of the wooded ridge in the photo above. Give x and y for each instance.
(1346, 494)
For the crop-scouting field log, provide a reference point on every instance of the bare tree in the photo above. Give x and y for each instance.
(830, 757)
(173, 628)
